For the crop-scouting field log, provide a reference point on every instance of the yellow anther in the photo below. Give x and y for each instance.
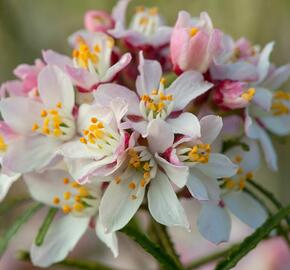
(57, 132)
(249, 94)
(133, 197)
(97, 48)
(66, 209)
(160, 106)
(154, 92)
(78, 207)
(132, 185)
(34, 127)
(193, 31)
(75, 185)
(200, 153)
(43, 113)
(240, 170)
(56, 200)
(146, 166)
(110, 42)
(145, 98)
(238, 159)
(143, 21)
(279, 108)
(242, 183)
(163, 81)
(230, 184)
(53, 112)
(153, 11)
(117, 179)
(146, 175)
(59, 105)
(249, 175)
(94, 120)
(83, 140)
(83, 192)
(151, 106)
(65, 181)
(282, 95)
(143, 182)
(46, 131)
(3, 145)
(66, 195)
(78, 198)
(139, 9)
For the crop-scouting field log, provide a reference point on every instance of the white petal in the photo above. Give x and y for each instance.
(117, 206)
(30, 153)
(53, 58)
(150, 75)
(186, 124)
(110, 239)
(279, 125)
(188, 86)
(211, 126)
(119, 11)
(163, 203)
(55, 86)
(160, 136)
(214, 223)
(177, 174)
(277, 78)
(218, 166)
(263, 98)
(246, 208)
(5, 183)
(61, 238)
(264, 62)
(196, 188)
(14, 110)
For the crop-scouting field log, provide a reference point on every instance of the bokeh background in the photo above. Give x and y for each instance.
(28, 26)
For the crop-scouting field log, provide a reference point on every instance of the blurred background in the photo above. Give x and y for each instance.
(27, 27)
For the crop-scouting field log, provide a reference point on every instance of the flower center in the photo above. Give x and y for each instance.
(146, 20)
(3, 145)
(157, 104)
(239, 180)
(198, 153)
(96, 58)
(280, 104)
(249, 94)
(100, 137)
(55, 124)
(77, 199)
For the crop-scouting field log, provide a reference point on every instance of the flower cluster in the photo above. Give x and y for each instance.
(140, 115)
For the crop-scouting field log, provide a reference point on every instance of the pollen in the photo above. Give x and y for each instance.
(132, 185)
(143, 182)
(59, 105)
(94, 120)
(75, 185)
(238, 159)
(66, 209)
(230, 184)
(200, 153)
(83, 192)
(193, 31)
(66, 181)
(83, 140)
(249, 175)
(78, 207)
(3, 145)
(117, 180)
(56, 200)
(43, 113)
(146, 166)
(67, 195)
(249, 94)
(35, 127)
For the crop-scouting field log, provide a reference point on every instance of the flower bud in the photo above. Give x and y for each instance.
(98, 21)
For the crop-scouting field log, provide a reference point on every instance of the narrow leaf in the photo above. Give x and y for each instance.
(45, 226)
(253, 240)
(28, 213)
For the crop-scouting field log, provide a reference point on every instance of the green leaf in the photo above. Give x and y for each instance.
(153, 249)
(28, 213)
(253, 240)
(45, 226)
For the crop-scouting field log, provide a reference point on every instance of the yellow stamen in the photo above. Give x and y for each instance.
(117, 180)
(132, 185)
(78, 207)
(35, 127)
(56, 200)
(43, 113)
(193, 31)
(83, 192)
(66, 209)
(65, 181)
(66, 195)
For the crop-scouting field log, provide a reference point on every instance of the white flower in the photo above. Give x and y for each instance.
(47, 124)
(79, 204)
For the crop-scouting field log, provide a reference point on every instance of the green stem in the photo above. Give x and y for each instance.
(16, 226)
(165, 260)
(210, 258)
(253, 240)
(165, 241)
(45, 226)
(72, 263)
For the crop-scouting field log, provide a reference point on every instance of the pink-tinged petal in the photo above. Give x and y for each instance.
(277, 78)
(214, 223)
(61, 238)
(53, 58)
(107, 92)
(83, 78)
(120, 203)
(264, 62)
(161, 36)
(186, 124)
(177, 174)
(98, 21)
(119, 11)
(30, 153)
(12, 88)
(15, 109)
(211, 126)
(5, 183)
(188, 86)
(233, 126)
(140, 127)
(239, 71)
(120, 108)
(113, 70)
(163, 203)
(198, 182)
(150, 75)
(54, 87)
(263, 98)
(246, 208)
(160, 136)
(218, 166)
(110, 239)
(277, 125)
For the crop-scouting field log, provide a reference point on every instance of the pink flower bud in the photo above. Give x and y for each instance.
(98, 21)
(194, 43)
(233, 94)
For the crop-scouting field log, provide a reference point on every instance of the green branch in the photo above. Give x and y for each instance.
(153, 249)
(45, 226)
(4, 241)
(72, 263)
(253, 240)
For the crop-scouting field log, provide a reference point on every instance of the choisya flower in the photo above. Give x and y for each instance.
(146, 27)
(91, 62)
(100, 147)
(153, 100)
(233, 198)
(126, 193)
(79, 204)
(48, 122)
